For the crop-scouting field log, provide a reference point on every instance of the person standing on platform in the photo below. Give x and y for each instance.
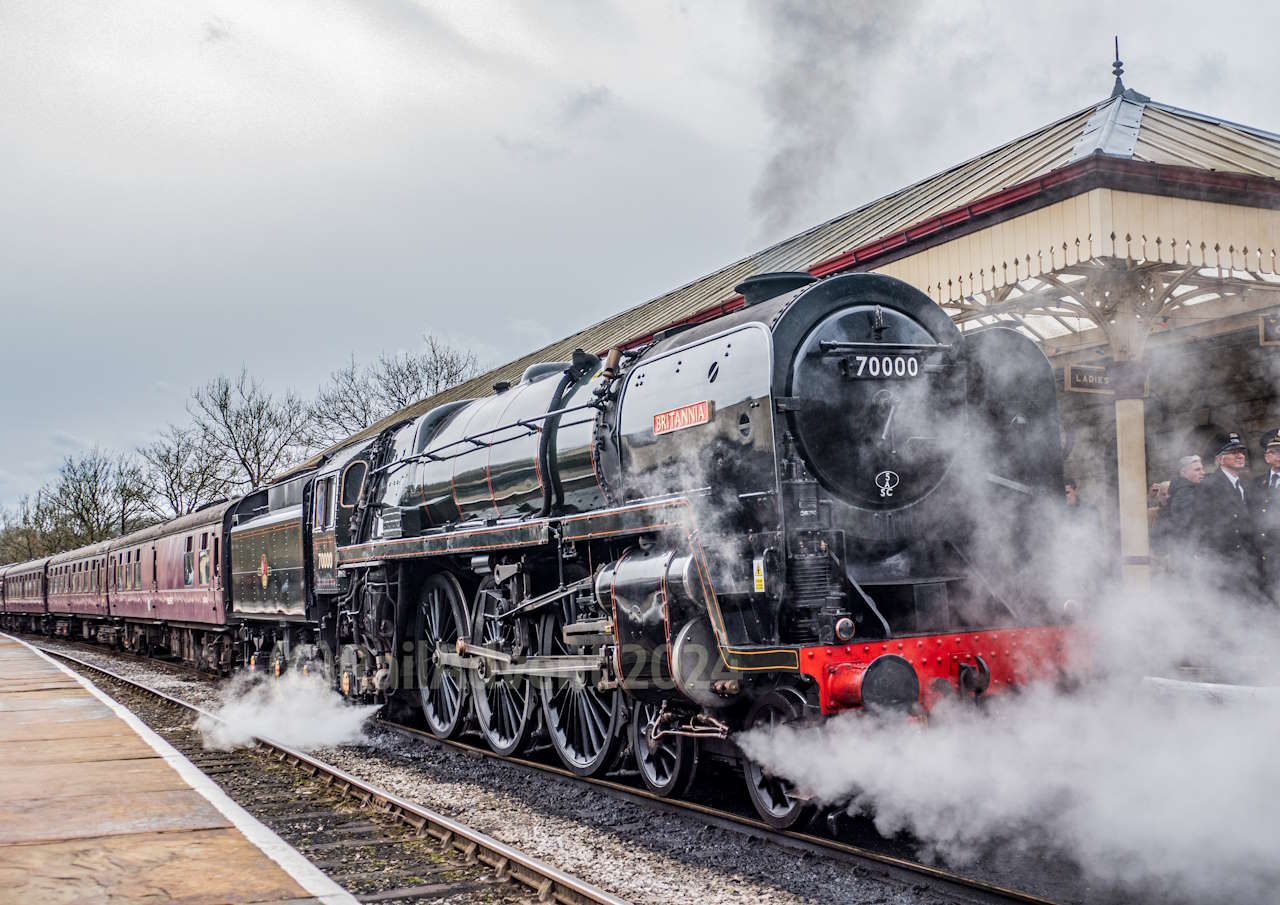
(1224, 521)
(1175, 533)
(1266, 513)
(1082, 533)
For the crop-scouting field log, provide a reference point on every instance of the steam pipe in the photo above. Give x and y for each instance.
(582, 363)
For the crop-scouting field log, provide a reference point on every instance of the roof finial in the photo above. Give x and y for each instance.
(1117, 69)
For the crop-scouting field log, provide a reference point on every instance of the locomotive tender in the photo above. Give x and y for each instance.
(827, 500)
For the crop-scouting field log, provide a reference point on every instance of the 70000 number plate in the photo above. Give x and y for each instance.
(880, 367)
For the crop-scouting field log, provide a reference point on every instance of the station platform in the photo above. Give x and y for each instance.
(95, 807)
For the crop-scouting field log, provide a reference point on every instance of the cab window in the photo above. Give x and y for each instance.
(324, 497)
(352, 481)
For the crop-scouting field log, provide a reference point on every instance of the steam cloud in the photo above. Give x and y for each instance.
(295, 710)
(1161, 788)
(823, 55)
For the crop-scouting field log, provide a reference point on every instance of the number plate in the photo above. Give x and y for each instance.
(890, 366)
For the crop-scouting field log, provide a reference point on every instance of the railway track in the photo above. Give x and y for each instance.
(376, 845)
(903, 870)
(945, 883)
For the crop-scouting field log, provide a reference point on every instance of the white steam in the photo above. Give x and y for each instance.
(1143, 785)
(299, 711)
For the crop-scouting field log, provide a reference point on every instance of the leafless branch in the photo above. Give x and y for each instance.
(255, 433)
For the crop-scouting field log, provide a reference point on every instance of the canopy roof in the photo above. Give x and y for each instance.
(1128, 133)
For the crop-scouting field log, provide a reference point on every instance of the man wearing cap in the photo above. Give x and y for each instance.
(1224, 518)
(1266, 515)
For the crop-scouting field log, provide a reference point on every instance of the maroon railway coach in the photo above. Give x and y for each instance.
(24, 595)
(166, 583)
(78, 587)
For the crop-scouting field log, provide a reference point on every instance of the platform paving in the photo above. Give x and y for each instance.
(93, 809)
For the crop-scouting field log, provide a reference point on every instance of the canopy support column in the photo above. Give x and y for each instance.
(1131, 462)
(1128, 332)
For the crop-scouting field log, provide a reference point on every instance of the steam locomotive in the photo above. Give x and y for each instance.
(828, 500)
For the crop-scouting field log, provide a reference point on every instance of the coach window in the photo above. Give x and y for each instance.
(188, 565)
(202, 567)
(137, 569)
(216, 563)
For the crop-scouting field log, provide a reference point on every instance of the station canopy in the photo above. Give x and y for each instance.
(1037, 234)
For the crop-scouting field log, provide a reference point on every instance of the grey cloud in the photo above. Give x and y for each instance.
(585, 103)
(530, 149)
(822, 62)
(67, 441)
(216, 30)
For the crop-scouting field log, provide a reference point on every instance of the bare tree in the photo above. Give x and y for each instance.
(31, 530)
(83, 496)
(98, 496)
(252, 431)
(131, 495)
(404, 379)
(182, 472)
(357, 397)
(346, 405)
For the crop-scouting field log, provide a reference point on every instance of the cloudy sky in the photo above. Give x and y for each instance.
(186, 188)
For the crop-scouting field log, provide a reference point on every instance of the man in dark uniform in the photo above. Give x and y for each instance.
(1224, 518)
(1266, 514)
(1175, 533)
